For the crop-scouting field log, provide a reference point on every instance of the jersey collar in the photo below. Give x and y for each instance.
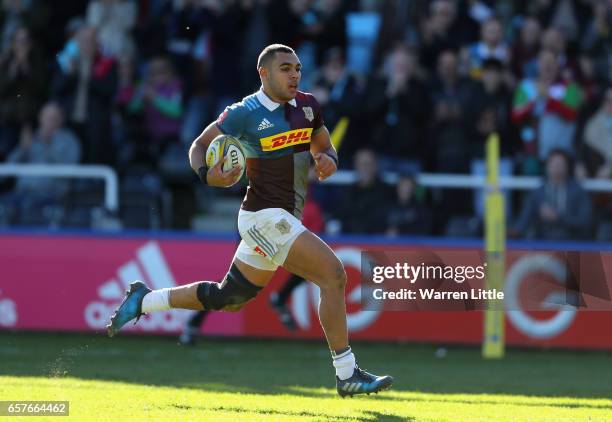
(268, 103)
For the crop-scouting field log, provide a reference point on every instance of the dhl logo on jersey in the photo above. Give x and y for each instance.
(286, 139)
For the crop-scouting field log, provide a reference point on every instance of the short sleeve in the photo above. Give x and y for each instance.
(231, 121)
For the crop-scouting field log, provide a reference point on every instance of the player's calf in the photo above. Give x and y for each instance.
(332, 307)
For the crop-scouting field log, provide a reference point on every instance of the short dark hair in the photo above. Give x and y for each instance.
(268, 53)
(558, 151)
(567, 157)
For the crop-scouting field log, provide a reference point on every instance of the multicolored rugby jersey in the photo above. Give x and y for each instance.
(276, 140)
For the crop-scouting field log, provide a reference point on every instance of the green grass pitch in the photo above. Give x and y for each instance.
(142, 378)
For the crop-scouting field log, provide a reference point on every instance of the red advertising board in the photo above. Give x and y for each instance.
(73, 283)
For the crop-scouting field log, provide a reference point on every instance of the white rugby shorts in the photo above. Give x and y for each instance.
(267, 236)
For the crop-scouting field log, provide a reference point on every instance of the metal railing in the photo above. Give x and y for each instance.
(342, 177)
(468, 181)
(85, 171)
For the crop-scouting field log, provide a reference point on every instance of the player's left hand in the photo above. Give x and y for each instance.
(324, 165)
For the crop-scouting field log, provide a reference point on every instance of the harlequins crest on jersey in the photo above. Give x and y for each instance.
(308, 113)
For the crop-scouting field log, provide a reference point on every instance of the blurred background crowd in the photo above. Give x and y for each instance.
(407, 87)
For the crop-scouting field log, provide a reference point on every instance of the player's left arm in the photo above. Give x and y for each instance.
(324, 153)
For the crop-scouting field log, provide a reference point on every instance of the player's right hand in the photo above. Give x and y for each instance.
(219, 178)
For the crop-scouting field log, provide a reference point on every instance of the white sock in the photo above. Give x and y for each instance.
(157, 300)
(344, 364)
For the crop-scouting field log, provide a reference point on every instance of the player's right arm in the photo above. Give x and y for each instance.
(229, 122)
(197, 152)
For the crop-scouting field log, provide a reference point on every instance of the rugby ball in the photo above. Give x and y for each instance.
(222, 146)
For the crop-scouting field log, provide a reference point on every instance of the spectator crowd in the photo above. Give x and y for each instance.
(407, 86)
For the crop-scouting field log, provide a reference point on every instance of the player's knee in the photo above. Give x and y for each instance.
(335, 278)
(237, 307)
(340, 277)
(234, 308)
(229, 295)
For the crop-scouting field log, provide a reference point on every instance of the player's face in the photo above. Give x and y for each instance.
(283, 76)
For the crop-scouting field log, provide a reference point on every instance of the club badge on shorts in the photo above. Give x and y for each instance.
(308, 113)
(283, 226)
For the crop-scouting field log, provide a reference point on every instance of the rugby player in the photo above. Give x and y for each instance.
(280, 129)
